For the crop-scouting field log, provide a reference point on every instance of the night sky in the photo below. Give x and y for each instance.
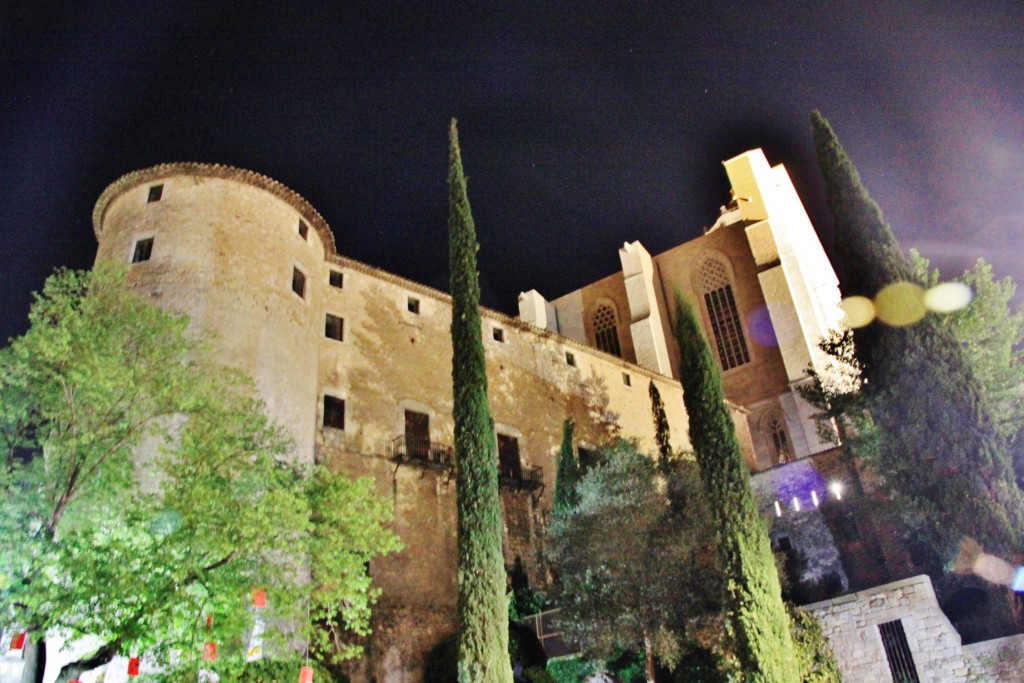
(583, 125)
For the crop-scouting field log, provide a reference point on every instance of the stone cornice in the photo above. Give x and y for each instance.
(194, 169)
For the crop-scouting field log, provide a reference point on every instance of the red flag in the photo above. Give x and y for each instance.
(209, 621)
(210, 652)
(133, 666)
(18, 641)
(259, 598)
(306, 674)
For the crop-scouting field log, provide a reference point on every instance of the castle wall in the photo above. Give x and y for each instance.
(391, 360)
(226, 243)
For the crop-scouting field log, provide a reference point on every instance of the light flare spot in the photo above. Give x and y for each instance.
(900, 304)
(858, 311)
(948, 297)
(837, 490)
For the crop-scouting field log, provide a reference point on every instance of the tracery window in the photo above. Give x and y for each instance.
(782, 450)
(605, 335)
(725, 318)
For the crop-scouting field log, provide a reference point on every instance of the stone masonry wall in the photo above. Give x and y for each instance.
(851, 623)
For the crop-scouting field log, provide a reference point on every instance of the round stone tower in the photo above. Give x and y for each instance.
(244, 257)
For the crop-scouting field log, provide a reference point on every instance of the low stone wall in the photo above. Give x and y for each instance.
(1001, 659)
(852, 621)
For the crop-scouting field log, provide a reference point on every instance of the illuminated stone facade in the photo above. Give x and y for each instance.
(356, 362)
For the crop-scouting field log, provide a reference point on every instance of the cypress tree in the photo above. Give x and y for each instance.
(483, 608)
(568, 471)
(662, 435)
(940, 457)
(754, 611)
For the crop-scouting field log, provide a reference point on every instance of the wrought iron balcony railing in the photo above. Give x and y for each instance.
(421, 452)
(527, 479)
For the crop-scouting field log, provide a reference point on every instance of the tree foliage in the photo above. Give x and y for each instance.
(482, 607)
(631, 569)
(942, 458)
(144, 490)
(989, 331)
(662, 434)
(568, 471)
(754, 611)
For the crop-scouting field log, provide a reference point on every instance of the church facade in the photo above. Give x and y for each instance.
(356, 362)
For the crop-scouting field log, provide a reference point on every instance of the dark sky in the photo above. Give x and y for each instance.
(583, 125)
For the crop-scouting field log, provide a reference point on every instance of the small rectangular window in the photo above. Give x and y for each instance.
(299, 282)
(155, 193)
(143, 250)
(570, 359)
(334, 412)
(334, 328)
(413, 305)
(627, 380)
(303, 229)
(336, 279)
(498, 334)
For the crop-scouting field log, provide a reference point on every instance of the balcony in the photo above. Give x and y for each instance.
(521, 479)
(421, 453)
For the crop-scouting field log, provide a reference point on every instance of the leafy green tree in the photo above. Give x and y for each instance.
(754, 611)
(630, 568)
(482, 606)
(662, 434)
(568, 471)
(989, 331)
(143, 489)
(942, 459)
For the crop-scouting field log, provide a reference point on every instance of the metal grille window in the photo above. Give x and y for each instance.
(724, 316)
(605, 335)
(897, 651)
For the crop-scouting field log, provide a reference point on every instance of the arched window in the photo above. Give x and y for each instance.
(605, 335)
(724, 316)
(782, 449)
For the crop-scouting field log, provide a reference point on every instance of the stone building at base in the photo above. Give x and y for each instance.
(356, 362)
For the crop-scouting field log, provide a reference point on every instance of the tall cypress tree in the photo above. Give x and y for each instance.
(568, 471)
(483, 610)
(940, 458)
(662, 434)
(754, 611)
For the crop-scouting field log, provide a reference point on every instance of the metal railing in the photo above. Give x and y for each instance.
(527, 479)
(421, 452)
(545, 625)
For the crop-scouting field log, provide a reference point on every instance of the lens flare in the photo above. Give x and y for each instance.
(900, 304)
(859, 311)
(948, 297)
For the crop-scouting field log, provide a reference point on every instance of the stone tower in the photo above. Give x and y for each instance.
(243, 256)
